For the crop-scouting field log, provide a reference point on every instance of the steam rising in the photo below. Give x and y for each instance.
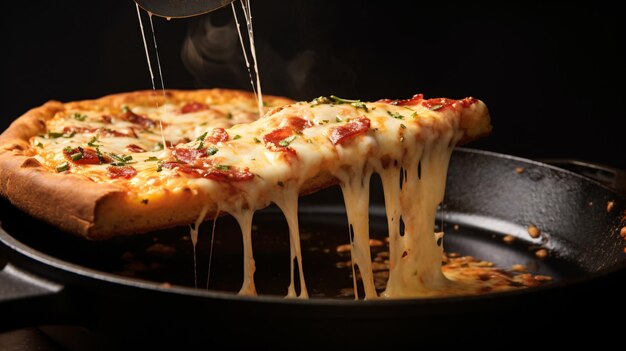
(290, 65)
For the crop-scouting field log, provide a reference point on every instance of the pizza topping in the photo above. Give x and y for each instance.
(134, 148)
(193, 107)
(79, 117)
(63, 167)
(217, 135)
(354, 103)
(106, 119)
(82, 156)
(298, 124)
(188, 155)
(280, 139)
(416, 99)
(70, 131)
(120, 160)
(349, 130)
(121, 172)
(93, 142)
(207, 170)
(134, 118)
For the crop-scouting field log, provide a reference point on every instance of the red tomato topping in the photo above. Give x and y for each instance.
(189, 155)
(349, 130)
(134, 148)
(141, 120)
(217, 135)
(106, 119)
(121, 172)
(193, 107)
(407, 102)
(84, 156)
(273, 140)
(79, 130)
(438, 104)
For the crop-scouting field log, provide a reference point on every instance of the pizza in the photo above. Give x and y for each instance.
(137, 162)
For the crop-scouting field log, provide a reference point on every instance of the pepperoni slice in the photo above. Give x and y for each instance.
(349, 130)
(134, 148)
(121, 172)
(84, 156)
(217, 135)
(106, 119)
(298, 124)
(416, 99)
(188, 155)
(193, 107)
(141, 120)
(273, 140)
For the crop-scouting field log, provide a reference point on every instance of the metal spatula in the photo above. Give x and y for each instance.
(181, 8)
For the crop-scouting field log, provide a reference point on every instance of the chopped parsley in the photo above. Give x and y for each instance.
(353, 103)
(256, 140)
(100, 156)
(120, 160)
(158, 146)
(125, 109)
(159, 167)
(265, 104)
(212, 150)
(39, 144)
(320, 100)
(229, 116)
(337, 119)
(237, 137)
(54, 135)
(222, 167)
(76, 156)
(395, 115)
(77, 116)
(200, 145)
(63, 167)
(94, 142)
(201, 137)
(402, 126)
(285, 142)
(151, 158)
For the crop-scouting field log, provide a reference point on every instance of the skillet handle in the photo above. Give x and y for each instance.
(611, 177)
(28, 300)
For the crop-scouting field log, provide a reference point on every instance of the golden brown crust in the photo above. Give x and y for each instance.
(83, 207)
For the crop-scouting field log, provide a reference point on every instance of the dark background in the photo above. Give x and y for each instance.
(552, 75)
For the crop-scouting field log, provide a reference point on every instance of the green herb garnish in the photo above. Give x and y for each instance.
(256, 140)
(201, 137)
(77, 116)
(158, 146)
(54, 135)
(120, 160)
(222, 167)
(337, 119)
(229, 116)
(237, 137)
(212, 150)
(320, 100)
(285, 142)
(63, 167)
(93, 142)
(353, 103)
(395, 115)
(151, 158)
(402, 126)
(39, 144)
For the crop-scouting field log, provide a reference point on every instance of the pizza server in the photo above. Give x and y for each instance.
(181, 8)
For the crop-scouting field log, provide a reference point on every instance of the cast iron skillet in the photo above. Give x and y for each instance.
(55, 278)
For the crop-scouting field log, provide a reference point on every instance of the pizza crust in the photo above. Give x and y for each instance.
(83, 207)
